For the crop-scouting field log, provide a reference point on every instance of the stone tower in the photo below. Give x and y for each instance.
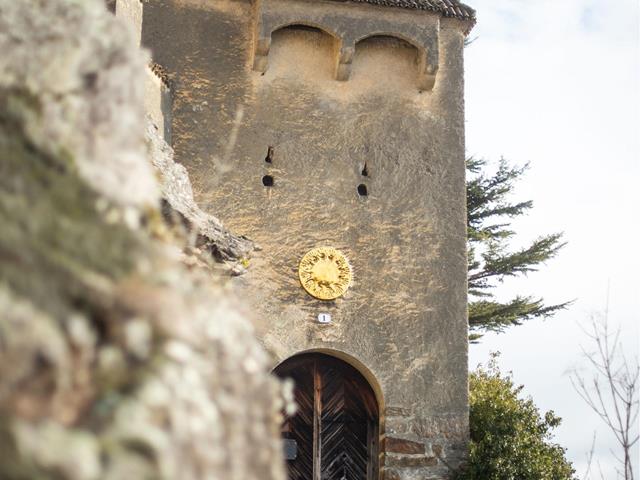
(320, 123)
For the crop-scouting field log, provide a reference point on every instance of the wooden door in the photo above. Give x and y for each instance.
(334, 433)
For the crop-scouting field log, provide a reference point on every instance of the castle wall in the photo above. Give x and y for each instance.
(157, 103)
(404, 317)
(131, 10)
(157, 94)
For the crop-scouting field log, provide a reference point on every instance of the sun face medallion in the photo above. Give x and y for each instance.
(325, 273)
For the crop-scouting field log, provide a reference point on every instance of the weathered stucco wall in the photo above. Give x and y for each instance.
(404, 318)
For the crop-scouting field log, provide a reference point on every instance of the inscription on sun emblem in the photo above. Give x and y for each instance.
(325, 273)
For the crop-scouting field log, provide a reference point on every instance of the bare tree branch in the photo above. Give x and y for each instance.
(590, 457)
(611, 390)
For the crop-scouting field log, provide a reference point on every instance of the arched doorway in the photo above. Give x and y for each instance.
(334, 433)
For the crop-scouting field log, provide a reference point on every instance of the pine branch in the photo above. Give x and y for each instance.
(490, 261)
(496, 316)
(499, 264)
(486, 195)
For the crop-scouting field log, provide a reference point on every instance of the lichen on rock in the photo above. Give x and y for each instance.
(80, 66)
(116, 361)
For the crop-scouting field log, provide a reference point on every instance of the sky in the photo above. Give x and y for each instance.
(556, 83)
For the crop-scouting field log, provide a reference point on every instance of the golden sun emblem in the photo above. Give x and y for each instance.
(325, 273)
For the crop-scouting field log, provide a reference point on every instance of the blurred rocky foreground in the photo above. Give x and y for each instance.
(121, 356)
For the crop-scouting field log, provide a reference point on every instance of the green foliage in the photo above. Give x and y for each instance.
(490, 259)
(510, 438)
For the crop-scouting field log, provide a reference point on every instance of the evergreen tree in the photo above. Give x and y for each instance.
(491, 260)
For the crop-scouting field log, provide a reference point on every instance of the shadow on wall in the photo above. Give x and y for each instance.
(304, 54)
(387, 63)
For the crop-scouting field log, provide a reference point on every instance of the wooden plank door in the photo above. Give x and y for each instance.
(300, 427)
(335, 428)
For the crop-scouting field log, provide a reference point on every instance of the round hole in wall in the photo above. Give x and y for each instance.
(267, 181)
(362, 190)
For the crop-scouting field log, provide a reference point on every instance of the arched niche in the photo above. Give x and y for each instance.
(298, 47)
(394, 61)
(335, 432)
(349, 23)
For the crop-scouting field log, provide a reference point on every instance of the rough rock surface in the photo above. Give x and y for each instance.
(116, 361)
(178, 195)
(88, 102)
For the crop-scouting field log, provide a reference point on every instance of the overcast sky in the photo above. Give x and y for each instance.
(555, 83)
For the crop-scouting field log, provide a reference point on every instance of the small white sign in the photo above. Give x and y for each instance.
(324, 318)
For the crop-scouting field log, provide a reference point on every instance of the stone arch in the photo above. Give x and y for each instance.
(425, 72)
(336, 431)
(265, 42)
(305, 23)
(427, 62)
(398, 36)
(363, 369)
